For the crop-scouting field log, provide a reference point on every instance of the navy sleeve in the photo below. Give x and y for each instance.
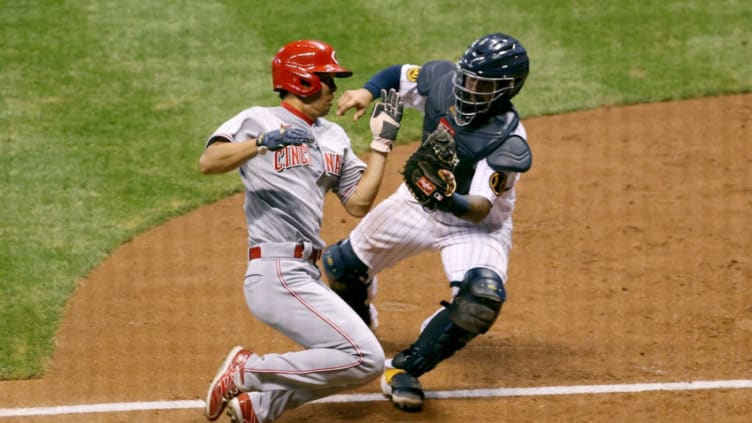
(384, 79)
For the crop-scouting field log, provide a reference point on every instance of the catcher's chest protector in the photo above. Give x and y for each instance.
(475, 141)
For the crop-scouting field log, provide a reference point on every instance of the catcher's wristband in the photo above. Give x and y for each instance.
(457, 204)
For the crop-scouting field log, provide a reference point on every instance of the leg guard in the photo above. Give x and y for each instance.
(439, 340)
(472, 312)
(348, 277)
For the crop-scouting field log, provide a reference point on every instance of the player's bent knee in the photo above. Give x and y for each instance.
(478, 302)
(367, 350)
(373, 361)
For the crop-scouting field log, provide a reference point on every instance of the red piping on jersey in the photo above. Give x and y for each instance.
(298, 113)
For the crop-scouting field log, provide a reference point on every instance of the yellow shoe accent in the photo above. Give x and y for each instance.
(402, 389)
(390, 372)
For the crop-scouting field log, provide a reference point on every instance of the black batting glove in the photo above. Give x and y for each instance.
(280, 138)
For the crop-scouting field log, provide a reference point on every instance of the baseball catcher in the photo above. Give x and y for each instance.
(429, 171)
(461, 208)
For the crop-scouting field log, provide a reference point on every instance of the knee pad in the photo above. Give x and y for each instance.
(478, 302)
(348, 277)
(341, 264)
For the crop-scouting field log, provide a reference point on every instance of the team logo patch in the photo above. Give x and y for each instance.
(448, 126)
(412, 74)
(425, 185)
(498, 183)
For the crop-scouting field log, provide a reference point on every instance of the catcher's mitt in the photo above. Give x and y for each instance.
(429, 171)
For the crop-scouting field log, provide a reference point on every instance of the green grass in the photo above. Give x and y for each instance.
(106, 105)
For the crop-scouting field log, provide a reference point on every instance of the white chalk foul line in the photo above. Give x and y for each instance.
(343, 398)
(112, 407)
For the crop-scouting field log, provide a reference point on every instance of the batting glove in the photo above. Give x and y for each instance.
(279, 138)
(385, 121)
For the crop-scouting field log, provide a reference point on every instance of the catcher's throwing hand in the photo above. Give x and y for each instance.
(449, 178)
(385, 121)
(279, 138)
(429, 171)
(358, 99)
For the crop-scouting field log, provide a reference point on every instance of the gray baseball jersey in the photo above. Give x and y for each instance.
(284, 205)
(281, 205)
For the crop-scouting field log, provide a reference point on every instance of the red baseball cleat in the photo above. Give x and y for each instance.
(240, 409)
(223, 388)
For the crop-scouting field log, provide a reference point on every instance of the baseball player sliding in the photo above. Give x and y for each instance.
(289, 157)
(470, 224)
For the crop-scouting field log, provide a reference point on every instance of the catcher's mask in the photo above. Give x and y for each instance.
(296, 66)
(493, 69)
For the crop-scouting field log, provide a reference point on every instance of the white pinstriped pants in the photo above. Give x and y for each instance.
(399, 228)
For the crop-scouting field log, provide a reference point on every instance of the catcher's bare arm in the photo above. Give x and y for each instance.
(476, 208)
(512, 156)
(359, 99)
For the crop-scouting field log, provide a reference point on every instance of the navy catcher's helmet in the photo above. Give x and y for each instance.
(493, 69)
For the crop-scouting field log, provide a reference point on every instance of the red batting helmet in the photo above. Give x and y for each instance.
(296, 65)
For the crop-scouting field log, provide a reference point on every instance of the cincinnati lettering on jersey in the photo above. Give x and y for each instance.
(291, 156)
(333, 163)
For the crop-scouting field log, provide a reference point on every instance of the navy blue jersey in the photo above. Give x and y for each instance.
(476, 141)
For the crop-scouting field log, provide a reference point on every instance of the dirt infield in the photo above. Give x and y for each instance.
(632, 264)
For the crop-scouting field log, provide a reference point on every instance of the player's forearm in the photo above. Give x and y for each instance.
(364, 196)
(472, 208)
(222, 157)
